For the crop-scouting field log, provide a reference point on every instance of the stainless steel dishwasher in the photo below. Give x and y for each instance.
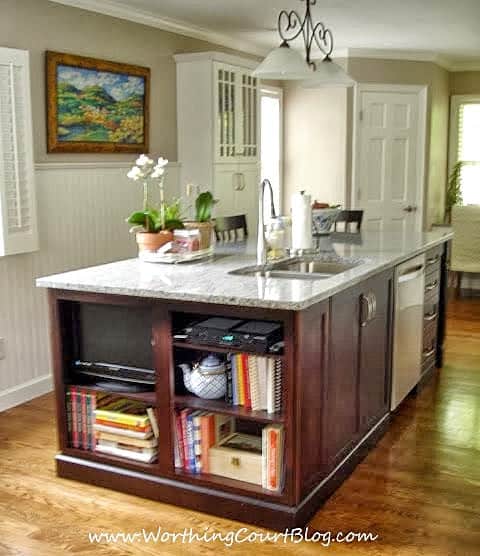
(408, 327)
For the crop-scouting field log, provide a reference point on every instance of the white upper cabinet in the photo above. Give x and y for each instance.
(236, 107)
(18, 220)
(218, 129)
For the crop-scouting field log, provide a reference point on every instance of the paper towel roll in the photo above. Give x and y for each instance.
(301, 221)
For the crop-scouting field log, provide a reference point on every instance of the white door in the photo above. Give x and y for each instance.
(389, 169)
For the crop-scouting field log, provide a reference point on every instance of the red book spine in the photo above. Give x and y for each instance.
(84, 420)
(246, 381)
(272, 460)
(74, 439)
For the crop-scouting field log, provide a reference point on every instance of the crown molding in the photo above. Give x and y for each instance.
(112, 9)
(216, 57)
(408, 56)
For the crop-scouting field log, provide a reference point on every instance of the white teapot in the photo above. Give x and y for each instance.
(207, 379)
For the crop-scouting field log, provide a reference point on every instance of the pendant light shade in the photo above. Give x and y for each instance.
(283, 63)
(328, 74)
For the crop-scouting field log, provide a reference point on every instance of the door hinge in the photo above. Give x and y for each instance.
(360, 115)
(359, 194)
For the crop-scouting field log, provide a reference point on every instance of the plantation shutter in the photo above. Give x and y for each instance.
(468, 151)
(18, 219)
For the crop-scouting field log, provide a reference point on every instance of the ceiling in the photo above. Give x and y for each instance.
(447, 29)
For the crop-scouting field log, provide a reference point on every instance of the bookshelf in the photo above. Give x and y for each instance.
(152, 324)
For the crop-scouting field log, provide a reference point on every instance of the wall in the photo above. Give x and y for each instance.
(315, 122)
(437, 79)
(465, 83)
(81, 207)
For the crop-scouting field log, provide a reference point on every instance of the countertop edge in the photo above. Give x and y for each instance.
(50, 283)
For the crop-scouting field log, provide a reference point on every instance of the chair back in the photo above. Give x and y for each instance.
(350, 217)
(466, 240)
(231, 228)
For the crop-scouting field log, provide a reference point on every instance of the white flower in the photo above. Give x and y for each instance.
(157, 172)
(135, 173)
(161, 162)
(143, 160)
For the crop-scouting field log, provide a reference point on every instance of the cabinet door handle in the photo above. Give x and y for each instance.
(433, 260)
(373, 297)
(430, 317)
(429, 353)
(364, 319)
(431, 286)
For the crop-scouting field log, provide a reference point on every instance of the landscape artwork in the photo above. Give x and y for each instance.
(95, 105)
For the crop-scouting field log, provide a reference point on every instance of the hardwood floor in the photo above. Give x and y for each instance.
(419, 490)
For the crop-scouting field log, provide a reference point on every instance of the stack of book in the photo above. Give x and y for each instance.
(195, 433)
(126, 428)
(254, 382)
(80, 405)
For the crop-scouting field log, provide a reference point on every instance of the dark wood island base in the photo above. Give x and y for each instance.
(336, 387)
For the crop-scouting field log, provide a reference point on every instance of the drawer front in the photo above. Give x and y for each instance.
(432, 283)
(430, 308)
(430, 328)
(235, 464)
(433, 257)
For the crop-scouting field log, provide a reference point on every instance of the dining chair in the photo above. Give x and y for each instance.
(465, 255)
(228, 226)
(349, 218)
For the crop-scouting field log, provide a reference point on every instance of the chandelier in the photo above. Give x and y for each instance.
(286, 63)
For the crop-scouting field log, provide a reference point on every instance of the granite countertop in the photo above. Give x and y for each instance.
(208, 281)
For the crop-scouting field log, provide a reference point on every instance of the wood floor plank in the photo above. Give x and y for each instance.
(419, 489)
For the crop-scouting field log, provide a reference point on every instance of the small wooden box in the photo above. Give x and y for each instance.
(238, 456)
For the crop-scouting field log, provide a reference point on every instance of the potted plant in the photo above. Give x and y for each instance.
(153, 226)
(203, 218)
(454, 191)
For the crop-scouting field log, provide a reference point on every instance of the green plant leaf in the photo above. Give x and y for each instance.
(174, 224)
(203, 205)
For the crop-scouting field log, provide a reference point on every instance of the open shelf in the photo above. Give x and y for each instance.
(221, 349)
(112, 460)
(148, 397)
(219, 406)
(218, 481)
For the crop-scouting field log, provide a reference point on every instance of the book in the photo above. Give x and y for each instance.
(126, 446)
(270, 386)
(183, 419)
(262, 366)
(197, 440)
(123, 418)
(240, 379)
(124, 431)
(272, 454)
(127, 454)
(68, 403)
(235, 392)
(83, 410)
(228, 374)
(246, 381)
(121, 439)
(190, 443)
(207, 437)
(278, 397)
(254, 382)
(153, 421)
(179, 441)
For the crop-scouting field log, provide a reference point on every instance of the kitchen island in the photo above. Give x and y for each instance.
(336, 363)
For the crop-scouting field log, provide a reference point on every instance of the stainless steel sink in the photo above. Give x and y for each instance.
(303, 268)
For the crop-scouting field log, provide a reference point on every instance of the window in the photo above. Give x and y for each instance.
(18, 223)
(465, 145)
(271, 142)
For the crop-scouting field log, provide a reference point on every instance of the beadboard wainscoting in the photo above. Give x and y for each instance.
(81, 215)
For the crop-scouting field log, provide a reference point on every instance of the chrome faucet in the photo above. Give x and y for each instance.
(261, 239)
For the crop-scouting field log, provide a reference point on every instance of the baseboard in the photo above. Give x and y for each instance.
(25, 392)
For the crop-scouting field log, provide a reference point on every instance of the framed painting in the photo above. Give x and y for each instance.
(96, 105)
